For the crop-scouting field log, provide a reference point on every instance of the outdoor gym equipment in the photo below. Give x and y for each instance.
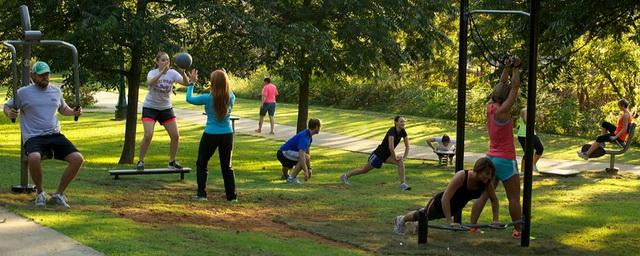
(424, 226)
(183, 60)
(29, 39)
(533, 16)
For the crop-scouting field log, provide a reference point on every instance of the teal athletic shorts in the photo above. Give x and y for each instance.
(505, 168)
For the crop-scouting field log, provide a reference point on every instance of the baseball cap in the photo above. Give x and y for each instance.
(40, 68)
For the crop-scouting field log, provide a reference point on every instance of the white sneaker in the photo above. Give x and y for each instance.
(398, 225)
(199, 198)
(345, 179)
(583, 155)
(294, 180)
(41, 199)
(405, 186)
(60, 200)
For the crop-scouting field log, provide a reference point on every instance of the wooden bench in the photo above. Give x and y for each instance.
(619, 151)
(117, 173)
(446, 158)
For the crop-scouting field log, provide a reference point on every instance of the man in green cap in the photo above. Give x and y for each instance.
(41, 137)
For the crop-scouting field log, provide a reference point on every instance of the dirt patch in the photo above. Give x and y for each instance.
(227, 216)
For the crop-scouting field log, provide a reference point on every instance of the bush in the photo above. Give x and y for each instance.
(86, 95)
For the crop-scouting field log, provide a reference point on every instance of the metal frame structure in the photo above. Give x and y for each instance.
(29, 39)
(533, 16)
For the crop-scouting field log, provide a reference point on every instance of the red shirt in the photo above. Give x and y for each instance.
(619, 127)
(500, 135)
(269, 92)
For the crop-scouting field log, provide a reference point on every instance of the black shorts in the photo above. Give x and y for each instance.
(55, 146)
(162, 116)
(537, 144)
(286, 162)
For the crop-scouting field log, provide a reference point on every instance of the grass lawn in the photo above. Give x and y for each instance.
(373, 125)
(153, 215)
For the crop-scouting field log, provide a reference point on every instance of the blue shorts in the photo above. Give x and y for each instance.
(505, 168)
(268, 108)
(375, 161)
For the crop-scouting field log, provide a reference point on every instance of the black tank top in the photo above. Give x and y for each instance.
(459, 200)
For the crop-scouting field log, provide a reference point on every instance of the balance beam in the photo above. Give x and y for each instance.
(117, 173)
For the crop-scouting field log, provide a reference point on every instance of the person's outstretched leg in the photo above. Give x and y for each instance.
(364, 169)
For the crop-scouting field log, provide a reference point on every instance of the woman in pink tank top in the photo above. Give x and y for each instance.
(502, 151)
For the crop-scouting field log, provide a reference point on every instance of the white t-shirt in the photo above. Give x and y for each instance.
(442, 148)
(159, 96)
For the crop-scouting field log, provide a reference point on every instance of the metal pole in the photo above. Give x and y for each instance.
(462, 90)
(531, 120)
(423, 227)
(24, 186)
(121, 107)
(14, 76)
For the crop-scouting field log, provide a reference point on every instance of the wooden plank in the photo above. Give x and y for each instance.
(560, 172)
(149, 171)
(117, 173)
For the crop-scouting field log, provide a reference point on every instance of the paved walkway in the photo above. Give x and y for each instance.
(21, 236)
(107, 102)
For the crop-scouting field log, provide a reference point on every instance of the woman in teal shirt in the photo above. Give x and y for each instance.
(217, 132)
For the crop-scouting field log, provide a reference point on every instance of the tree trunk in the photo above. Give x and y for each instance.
(303, 99)
(133, 79)
(128, 149)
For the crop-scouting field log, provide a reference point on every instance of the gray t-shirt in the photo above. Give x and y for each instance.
(442, 148)
(38, 109)
(159, 96)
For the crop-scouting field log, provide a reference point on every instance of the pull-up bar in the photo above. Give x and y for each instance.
(534, 16)
(500, 12)
(74, 53)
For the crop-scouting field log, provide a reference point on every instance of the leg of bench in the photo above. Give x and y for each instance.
(182, 176)
(423, 227)
(612, 162)
(115, 177)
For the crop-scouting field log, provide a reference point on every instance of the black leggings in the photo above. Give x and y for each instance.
(607, 137)
(537, 144)
(433, 210)
(208, 145)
